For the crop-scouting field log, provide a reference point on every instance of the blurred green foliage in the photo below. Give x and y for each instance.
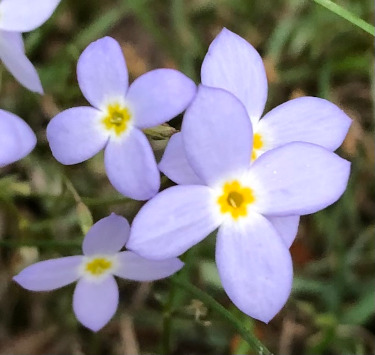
(46, 207)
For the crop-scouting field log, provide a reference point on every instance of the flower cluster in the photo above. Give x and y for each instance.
(249, 178)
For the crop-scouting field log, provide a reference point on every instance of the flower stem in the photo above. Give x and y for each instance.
(167, 321)
(246, 334)
(347, 15)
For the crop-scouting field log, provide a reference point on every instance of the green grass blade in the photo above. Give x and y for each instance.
(347, 15)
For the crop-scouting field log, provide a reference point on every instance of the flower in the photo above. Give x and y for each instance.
(16, 138)
(17, 16)
(118, 115)
(254, 263)
(176, 167)
(234, 65)
(96, 295)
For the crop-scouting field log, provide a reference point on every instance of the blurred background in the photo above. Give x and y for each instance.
(44, 206)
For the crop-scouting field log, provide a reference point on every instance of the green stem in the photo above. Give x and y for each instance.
(167, 322)
(347, 15)
(246, 334)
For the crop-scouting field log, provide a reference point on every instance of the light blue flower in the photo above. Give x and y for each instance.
(17, 16)
(234, 196)
(96, 295)
(234, 65)
(118, 115)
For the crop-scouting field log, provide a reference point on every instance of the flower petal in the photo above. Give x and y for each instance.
(255, 267)
(76, 135)
(217, 135)
(297, 179)
(305, 119)
(175, 165)
(16, 138)
(102, 73)
(131, 166)
(107, 236)
(287, 227)
(14, 39)
(13, 56)
(159, 95)
(95, 303)
(233, 64)
(134, 267)
(50, 274)
(172, 222)
(24, 15)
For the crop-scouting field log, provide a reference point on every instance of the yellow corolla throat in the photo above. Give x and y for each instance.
(235, 199)
(98, 266)
(257, 144)
(117, 118)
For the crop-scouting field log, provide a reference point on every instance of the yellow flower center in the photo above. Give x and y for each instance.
(98, 266)
(117, 118)
(257, 144)
(235, 199)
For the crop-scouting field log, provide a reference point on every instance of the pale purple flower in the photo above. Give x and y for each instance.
(234, 65)
(254, 263)
(176, 167)
(17, 16)
(96, 295)
(16, 138)
(118, 116)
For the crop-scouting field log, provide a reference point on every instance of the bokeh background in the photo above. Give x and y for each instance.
(44, 206)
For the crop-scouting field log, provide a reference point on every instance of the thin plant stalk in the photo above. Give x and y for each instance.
(347, 15)
(245, 332)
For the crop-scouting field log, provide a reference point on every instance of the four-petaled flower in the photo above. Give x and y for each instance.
(254, 263)
(118, 115)
(234, 65)
(16, 138)
(96, 295)
(17, 16)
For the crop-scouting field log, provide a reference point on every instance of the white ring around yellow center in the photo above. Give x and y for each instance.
(98, 266)
(117, 118)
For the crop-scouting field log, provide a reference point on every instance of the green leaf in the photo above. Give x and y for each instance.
(361, 311)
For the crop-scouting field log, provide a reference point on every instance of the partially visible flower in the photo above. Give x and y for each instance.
(17, 16)
(96, 295)
(16, 138)
(254, 263)
(118, 115)
(234, 65)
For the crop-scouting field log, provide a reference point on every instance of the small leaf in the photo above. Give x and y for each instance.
(361, 311)
(85, 219)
